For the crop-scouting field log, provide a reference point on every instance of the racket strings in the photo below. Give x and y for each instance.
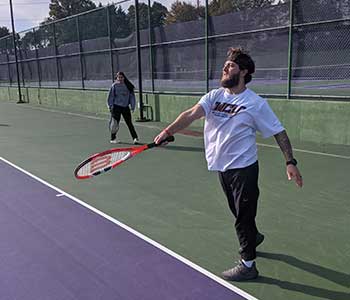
(119, 155)
(101, 163)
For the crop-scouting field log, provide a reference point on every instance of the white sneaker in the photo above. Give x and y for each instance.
(136, 141)
(115, 141)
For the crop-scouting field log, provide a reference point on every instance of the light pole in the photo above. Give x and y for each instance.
(15, 50)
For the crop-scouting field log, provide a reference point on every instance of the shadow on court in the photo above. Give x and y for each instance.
(167, 147)
(182, 148)
(305, 289)
(326, 273)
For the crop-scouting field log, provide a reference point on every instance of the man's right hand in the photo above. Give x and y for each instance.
(182, 121)
(160, 137)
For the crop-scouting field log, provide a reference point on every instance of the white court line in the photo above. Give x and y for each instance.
(157, 127)
(307, 151)
(87, 116)
(139, 235)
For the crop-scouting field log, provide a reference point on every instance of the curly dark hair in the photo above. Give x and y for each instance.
(243, 60)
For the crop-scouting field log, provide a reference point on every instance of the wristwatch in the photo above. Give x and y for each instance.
(292, 162)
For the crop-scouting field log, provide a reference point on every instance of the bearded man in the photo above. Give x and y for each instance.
(233, 114)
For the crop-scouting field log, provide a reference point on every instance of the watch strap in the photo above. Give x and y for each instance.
(292, 162)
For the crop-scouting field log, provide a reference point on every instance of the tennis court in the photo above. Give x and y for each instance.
(158, 227)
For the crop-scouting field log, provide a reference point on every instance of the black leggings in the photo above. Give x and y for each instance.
(119, 111)
(242, 192)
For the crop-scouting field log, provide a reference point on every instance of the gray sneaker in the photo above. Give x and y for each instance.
(241, 273)
(259, 239)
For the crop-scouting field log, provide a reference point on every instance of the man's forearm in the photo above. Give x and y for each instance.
(185, 119)
(285, 145)
(181, 122)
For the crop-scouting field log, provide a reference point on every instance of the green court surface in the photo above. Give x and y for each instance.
(168, 195)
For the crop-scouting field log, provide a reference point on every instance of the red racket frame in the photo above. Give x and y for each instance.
(133, 151)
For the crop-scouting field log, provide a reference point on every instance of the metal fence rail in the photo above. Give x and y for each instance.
(301, 49)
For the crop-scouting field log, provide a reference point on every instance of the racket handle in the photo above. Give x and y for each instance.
(169, 139)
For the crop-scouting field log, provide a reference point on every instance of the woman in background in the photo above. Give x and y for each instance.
(121, 102)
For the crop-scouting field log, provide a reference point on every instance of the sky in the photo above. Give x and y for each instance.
(29, 13)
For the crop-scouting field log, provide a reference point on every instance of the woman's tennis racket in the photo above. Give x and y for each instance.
(109, 159)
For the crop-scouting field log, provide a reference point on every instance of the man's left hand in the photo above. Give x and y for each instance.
(293, 173)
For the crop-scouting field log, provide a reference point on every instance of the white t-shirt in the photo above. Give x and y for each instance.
(230, 127)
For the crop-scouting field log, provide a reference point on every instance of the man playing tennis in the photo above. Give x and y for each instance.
(233, 114)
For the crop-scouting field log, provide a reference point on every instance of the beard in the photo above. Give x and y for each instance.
(231, 82)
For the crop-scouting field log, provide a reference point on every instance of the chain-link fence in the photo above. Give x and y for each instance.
(300, 47)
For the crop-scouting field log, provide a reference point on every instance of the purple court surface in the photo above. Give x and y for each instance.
(54, 246)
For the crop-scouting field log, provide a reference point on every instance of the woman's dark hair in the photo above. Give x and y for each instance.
(127, 82)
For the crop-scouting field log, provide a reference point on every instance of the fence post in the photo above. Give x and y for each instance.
(150, 31)
(16, 57)
(138, 52)
(80, 52)
(206, 46)
(8, 63)
(37, 58)
(110, 41)
(56, 55)
(290, 48)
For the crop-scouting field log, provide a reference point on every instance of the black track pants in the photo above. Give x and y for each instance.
(117, 112)
(242, 192)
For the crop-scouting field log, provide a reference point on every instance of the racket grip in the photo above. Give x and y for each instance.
(169, 139)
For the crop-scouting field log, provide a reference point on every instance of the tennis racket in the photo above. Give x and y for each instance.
(104, 161)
